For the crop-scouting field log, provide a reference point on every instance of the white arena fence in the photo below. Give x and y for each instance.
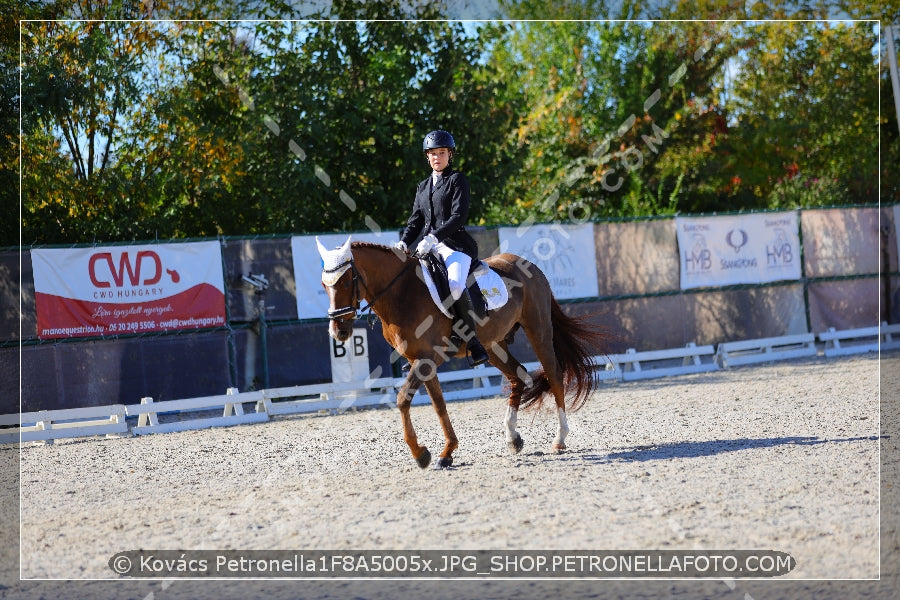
(238, 408)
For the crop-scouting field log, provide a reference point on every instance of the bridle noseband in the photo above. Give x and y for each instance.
(336, 314)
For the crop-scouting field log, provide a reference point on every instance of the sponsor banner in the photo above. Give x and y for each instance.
(118, 290)
(312, 300)
(734, 249)
(565, 253)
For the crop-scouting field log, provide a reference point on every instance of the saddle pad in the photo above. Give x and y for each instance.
(493, 290)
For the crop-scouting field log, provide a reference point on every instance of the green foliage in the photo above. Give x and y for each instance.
(362, 97)
(640, 201)
(607, 101)
(10, 12)
(808, 192)
(808, 99)
(142, 129)
(710, 116)
(258, 127)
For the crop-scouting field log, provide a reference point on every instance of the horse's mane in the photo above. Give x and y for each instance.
(364, 244)
(377, 246)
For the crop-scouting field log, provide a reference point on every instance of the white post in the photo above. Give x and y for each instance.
(144, 418)
(892, 64)
(232, 408)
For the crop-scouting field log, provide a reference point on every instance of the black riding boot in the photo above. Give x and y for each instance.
(466, 313)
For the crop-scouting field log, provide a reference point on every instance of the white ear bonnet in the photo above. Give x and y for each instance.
(334, 262)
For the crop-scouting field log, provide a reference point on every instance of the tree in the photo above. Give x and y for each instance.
(10, 147)
(186, 126)
(796, 116)
(807, 101)
(645, 118)
(606, 100)
(362, 96)
(199, 128)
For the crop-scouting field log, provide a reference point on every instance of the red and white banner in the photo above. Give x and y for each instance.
(119, 290)
(735, 249)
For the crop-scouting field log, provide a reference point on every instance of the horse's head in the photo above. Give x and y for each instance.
(341, 281)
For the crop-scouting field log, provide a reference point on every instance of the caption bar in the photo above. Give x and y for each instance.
(453, 563)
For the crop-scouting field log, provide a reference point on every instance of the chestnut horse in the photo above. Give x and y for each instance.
(387, 279)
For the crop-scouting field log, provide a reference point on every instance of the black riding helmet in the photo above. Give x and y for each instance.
(438, 139)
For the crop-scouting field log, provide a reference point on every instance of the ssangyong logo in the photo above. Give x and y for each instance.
(737, 239)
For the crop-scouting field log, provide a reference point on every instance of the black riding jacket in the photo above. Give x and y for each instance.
(442, 211)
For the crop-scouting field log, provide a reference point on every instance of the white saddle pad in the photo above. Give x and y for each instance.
(492, 287)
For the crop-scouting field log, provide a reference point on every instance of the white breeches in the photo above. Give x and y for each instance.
(458, 264)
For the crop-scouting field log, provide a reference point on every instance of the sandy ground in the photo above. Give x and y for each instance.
(782, 456)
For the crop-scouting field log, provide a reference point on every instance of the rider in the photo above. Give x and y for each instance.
(439, 212)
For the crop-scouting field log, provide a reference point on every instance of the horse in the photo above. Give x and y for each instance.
(390, 282)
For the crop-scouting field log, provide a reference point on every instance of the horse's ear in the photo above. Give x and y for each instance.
(322, 249)
(346, 245)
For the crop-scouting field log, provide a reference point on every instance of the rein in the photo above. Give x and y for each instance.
(337, 313)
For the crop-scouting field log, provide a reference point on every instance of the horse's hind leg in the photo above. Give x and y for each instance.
(559, 444)
(518, 379)
(541, 340)
(404, 401)
(440, 407)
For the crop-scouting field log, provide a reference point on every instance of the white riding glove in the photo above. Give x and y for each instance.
(427, 243)
(401, 245)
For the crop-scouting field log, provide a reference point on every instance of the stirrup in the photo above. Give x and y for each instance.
(478, 355)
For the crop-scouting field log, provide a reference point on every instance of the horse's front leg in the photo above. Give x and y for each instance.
(404, 401)
(440, 407)
(513, 438)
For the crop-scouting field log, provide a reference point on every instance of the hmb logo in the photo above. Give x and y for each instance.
(780, 252)
(698, 257)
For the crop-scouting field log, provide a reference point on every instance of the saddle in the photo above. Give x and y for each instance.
(438, 271)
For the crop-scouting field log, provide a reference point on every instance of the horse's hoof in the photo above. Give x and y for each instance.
(443, 463)
(516, 445)
(424, 459)
(559, 448)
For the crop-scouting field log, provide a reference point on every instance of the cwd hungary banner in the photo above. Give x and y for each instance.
(735, 249)
(119, 290)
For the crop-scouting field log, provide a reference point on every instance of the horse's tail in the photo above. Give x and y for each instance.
(575, 341)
